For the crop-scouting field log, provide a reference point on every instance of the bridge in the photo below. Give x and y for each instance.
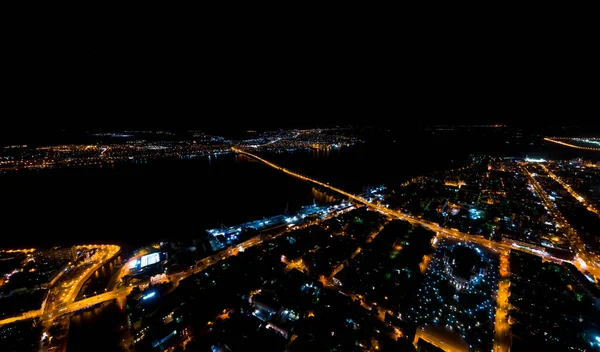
(435, 227)
(67, 289)
(119, 294)
(502, 342)
(27, 315)
(557, 141)
(88, 303)
(73, 307)
(70, 307)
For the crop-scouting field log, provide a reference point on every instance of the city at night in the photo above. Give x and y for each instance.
(306, 191)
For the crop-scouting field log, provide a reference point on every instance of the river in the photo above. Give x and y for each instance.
(134, 203)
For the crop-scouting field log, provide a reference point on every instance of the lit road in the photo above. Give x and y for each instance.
(555, 140)
(26, 315)
(568, 188)
(584, 260)
(231, 251)
(502, 338)
(66, 289)
(72, 307)
(502, 343)
(455, 234)
(326, 185)
(440, 338)
(64, 292)
(88, 302)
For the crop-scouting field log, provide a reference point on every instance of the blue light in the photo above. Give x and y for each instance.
(150, 295)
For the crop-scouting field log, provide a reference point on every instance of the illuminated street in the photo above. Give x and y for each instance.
(502, 339)
(536, 250)
(411, 274)
(502, 342)
(574, 238)
(571, 145)
(168, 188)
(579, 198)
(62, 295)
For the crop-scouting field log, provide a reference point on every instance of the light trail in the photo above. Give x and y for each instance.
(555, 140)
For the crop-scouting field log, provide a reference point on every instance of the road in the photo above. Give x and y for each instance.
(440, 338)
(68, 287)
(584, 261)
(27, 315)
(503, 329)
(455, 234)
(65, 291)
(63, 294)
(502, 338)
(555, 140)
(568, 188)
(88, 302)
(256, 240)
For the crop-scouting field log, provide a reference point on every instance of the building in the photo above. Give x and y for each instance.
(58, 253)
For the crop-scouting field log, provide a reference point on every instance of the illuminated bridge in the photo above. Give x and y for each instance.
(450, 233)
(73, 307)
(569, 142)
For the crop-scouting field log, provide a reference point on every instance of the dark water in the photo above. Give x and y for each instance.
(97, 329)
(366, 165)
(136, 203)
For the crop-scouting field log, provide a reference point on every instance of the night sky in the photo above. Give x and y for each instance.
(122, 75)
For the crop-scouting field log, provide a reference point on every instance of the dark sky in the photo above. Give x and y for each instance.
(110, 74)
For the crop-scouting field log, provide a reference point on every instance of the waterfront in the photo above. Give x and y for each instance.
(133, 203)
(171, 183)
(136, 203)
